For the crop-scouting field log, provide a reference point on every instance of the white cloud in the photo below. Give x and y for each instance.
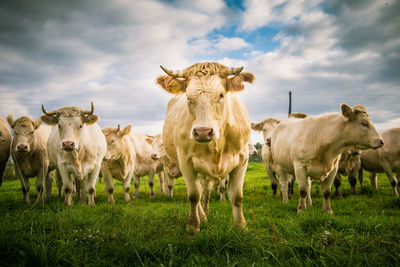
(230, 44)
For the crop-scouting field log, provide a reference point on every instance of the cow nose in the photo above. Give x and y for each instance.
(203, 134)
(254, 153)
(68, 145)
(381, 143)
(154, 156)
(22, 147)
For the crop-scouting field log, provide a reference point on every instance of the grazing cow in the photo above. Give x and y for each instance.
(145, 165)
(29, 152)
(5, 142)
(77, 147)
(384, 160)
(119, 161)
(171, 171)
(207, 130)
(311, 147)
(349, 164)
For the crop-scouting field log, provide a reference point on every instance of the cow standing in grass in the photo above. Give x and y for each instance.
(311, 147)
(384, 160)
(119, 161)
(207, 130)
(349, 164)
(77, 147)
(5, 142)
(29, 152)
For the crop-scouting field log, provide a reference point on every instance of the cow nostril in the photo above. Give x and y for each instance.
(211, 132)
(195, 133)
(381, 142)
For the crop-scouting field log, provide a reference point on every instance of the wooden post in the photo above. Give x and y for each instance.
(290, 102)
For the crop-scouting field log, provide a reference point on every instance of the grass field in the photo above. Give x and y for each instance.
(365, 229)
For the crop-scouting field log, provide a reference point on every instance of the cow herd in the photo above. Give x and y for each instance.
(205, 139)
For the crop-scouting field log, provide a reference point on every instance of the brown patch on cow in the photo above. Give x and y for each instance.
(127, 190)
(303, 193)
(194, 197)
(393, 183)
(298, 115)
(238, 200)
(91, 191)
(327, 194)
(110, 190)
(67, 190)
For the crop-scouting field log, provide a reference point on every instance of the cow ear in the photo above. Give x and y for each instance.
(50, 120)
(171, 84)
(11, 121)
(236, 82)
(257, 126)
(126, 130)
(90, 119)
(149, 139)
(347, 111)
(37, 123)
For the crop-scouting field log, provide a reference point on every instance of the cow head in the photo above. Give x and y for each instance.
(266, 126)
(252, 150)
(24, 132)
(207, 87)
(71, 121)
(359, 128)
(158, 147)
(114, 137)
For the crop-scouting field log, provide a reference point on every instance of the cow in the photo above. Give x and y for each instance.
(171, 171)
(119, 160)
(383, 160)
(311, 147)
(29, 152)
(349, 164)
(77, 147)
(145, 165)
(207, 130)
(5, 143)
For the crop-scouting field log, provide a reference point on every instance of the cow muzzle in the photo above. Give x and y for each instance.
(378, 144)
(154, 156)
(22, 148)
(254, 153)
(68, 145)
(203, 134)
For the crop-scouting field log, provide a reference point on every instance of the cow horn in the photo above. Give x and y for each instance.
(234, 71)
(173, 73)
(91, 109)
(50, 113)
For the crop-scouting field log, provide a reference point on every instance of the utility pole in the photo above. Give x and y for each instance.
(290, 102)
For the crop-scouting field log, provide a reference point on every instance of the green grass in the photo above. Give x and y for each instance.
(365, 229)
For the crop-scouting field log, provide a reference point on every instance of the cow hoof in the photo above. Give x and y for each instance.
(192, 229)
(328, 212)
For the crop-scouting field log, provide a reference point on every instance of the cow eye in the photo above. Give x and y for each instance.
(364, 123)
(31, 133)
(221, 95)
(80, 126)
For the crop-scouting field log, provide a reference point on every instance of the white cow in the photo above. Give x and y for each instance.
(77, 147)
(29, 152)
(5, 143)
(119, 161)
(207, 130)
(311, 147)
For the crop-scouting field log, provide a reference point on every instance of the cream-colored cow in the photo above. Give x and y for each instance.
(311, 147)
(5, 143)
(207, 130)
(77, 147)
(29, 152)
(119, 161)
(384, 160)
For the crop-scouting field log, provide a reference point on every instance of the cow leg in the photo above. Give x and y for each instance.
(151, 182)
(59, 183)
(337, 182)
(90, 185)
(25, 189)
(304, 188)
(352, 181)
(2, 169)
(235, 193)
(109, 184)
(284, 183)
(374, 180)
(207, 185)
(68, 183)
(126, 186)
(326, 186)
(40, 181)
(136, 181)
(291, 186)
(392, 179)
(222, 189)
(360, 177)
(170, 185)
(273, 180)
(308, 199)
(398, 181)
(194, 191)
(49, 185)
(161, 179)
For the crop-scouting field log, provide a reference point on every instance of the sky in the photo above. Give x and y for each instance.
(63, 53)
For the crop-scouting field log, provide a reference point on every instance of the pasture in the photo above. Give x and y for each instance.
(365, 229)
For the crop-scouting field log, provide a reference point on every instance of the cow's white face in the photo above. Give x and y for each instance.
(206, 99)
(158, 148)
(23, 129)
(359, 128)
(115, 146)
(252, 150)
(71, 122)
